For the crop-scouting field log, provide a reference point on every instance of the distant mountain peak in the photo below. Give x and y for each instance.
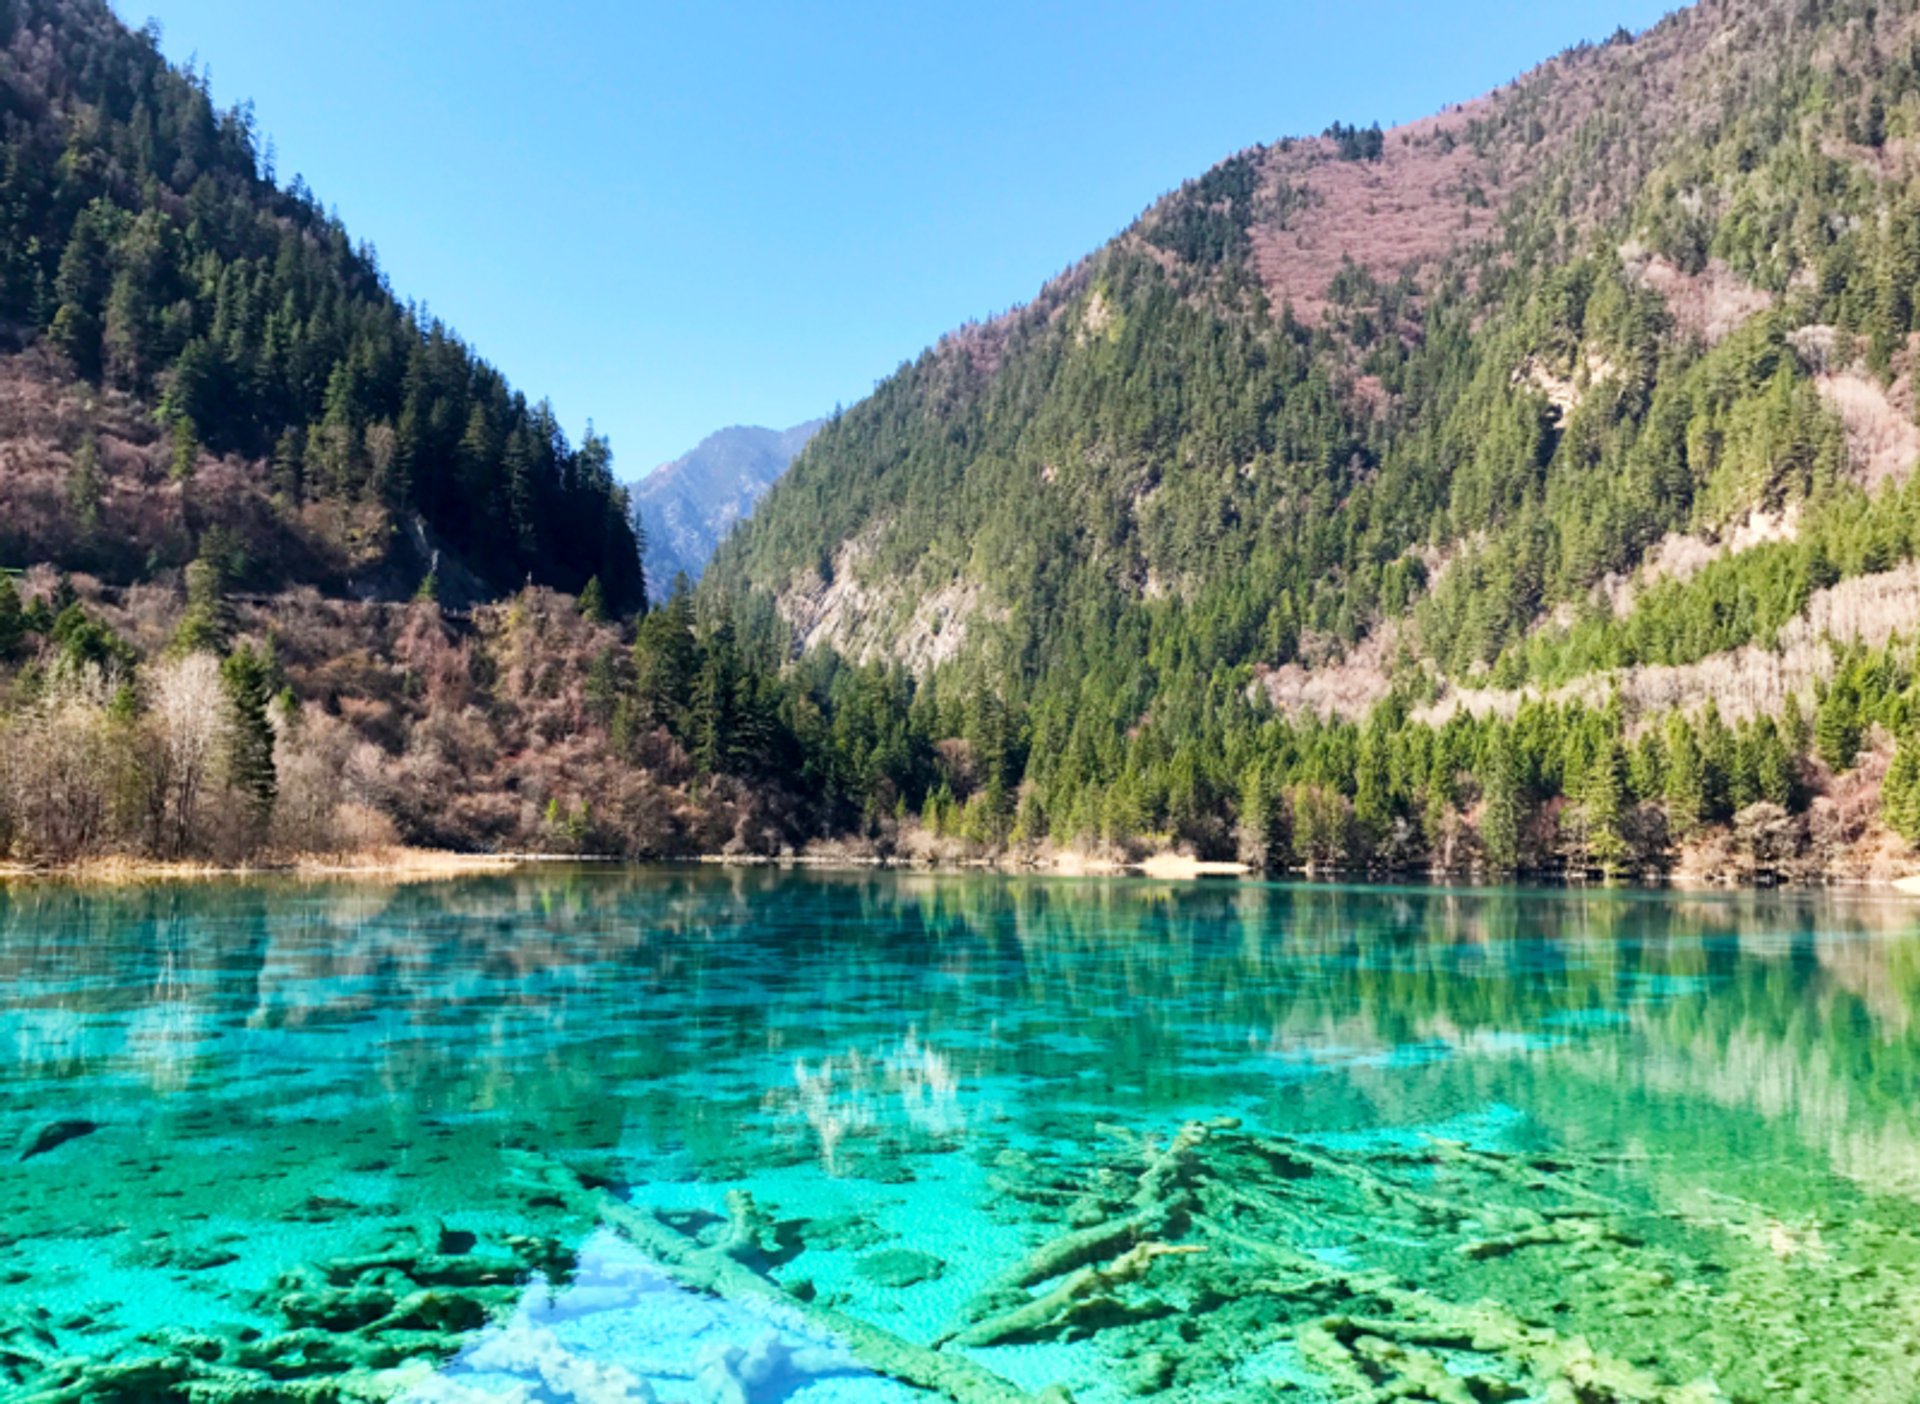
(689, 505)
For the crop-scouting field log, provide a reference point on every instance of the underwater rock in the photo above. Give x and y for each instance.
(900, 1267)
(850, 1233)
(1150, 1374)
(56, 1134)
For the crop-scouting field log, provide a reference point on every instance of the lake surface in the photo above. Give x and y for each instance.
(484, 1140)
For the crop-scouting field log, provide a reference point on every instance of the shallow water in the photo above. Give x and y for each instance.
(357, 1139)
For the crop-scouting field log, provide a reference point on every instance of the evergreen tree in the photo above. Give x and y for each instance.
(593, 602)
(711, 715)
(1837, 726)
(1373, 786)
(1647, 767)
(666, 660)
(13, 620)
(250, 764)
(186, 450)
(1774, 770)
(1686, 779)
(1900, 791)
(86, 486)
(1602, 800)
(1501, 821)
(204, 626)
(1719, 763)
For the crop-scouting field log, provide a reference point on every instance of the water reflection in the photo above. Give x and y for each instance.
(249, 1051)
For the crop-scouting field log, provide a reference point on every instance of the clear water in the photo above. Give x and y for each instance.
(260, 1127)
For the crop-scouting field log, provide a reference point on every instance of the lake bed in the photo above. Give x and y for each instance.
(691, 1135)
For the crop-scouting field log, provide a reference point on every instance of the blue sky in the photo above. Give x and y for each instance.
(675, 217)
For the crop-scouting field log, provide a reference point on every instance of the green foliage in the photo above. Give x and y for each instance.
(250, 766)
(1603, 789)
(1838, 727)
(186, 450)
(205, 625)
(82, 642)
(593, 602)
(1502, 824)
(1688, 784)
(1900, 792)
(86, 486)
(142, 233)
(13, 620)
(1355, 144)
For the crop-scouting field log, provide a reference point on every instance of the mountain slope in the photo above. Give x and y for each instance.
(189, 347)
(1406, 412)
(688, 506)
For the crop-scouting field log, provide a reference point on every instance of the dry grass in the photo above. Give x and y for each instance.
(398, 864)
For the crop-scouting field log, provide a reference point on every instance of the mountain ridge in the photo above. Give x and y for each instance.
(689, 505)
(1429, 405)
(173, 310)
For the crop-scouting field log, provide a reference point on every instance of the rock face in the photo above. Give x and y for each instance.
(689, 505)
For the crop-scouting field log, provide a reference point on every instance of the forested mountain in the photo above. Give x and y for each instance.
(1527, 484)
(1530, 487)
(239, 480)
(191, 348)
(688, 506)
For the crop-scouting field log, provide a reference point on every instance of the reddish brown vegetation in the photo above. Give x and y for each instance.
(477, 732)
(1430, 193)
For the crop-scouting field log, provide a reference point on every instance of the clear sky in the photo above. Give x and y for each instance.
(672, 217)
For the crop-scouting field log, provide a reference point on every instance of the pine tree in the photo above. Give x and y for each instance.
(1774, 771)
(1602, 800)
(1719, 760)
(1373, 787)
(711, 715)
(1647, 767)
(1837, 727)
(13, 619)
(203, 628)
(666, 659)
(289, 466)
(86, 488)
(1900, 792)
(593, 602)
(250, 766)
(1686, 789)
(1501, 822)
(186, 450)
(1262, 843)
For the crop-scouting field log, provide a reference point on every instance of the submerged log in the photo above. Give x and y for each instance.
(875, 1348)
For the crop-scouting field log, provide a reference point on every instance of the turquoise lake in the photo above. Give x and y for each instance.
(710, 1135)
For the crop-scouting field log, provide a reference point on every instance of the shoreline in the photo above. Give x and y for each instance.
(398, 864)
(1176, 867)
(421, 865)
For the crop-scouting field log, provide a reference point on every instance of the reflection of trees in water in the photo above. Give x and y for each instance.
(634, 984)
(909, 1088)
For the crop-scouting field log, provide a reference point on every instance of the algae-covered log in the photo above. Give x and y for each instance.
(716, 1270)
(878, 1350)
(1090, 1287)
